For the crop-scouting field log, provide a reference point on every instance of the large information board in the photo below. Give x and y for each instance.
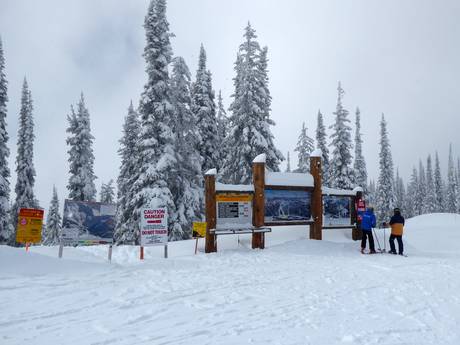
(336, 210)
(287, 206)
(234, 210)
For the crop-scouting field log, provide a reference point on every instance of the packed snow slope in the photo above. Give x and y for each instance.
(296, 291)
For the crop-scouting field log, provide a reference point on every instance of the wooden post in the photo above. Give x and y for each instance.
(141, 255)
(258, 176)
(61, 249)
(211, 216)
(316, 229)
(110, 253)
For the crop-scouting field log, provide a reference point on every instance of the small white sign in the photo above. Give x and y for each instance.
(154, 227)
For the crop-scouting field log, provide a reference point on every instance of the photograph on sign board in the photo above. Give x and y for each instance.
(336, 210)
(283, 206)
(88, 222)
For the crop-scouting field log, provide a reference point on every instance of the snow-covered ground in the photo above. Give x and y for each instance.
(296, 291)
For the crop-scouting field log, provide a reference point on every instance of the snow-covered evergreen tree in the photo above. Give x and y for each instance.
(288, 163)
(359, 167)
(250, 133)
(127, 228)
(438, 185)
(305, 146)
(430, 204)
(321, 143)
(6, 230)
(53, 222)
(223, 125)
(341, 173)
(421, 190)
(204, 110)
(25, 197)
(157, 158)
(81, 157)
(451, 192)
(400, 192)
(107, 194)
(385, 188)
(186, 185)
(371, 194)
(411, 195)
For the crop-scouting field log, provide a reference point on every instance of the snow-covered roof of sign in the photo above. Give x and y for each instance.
(222, 187)
(262, 158)
(316, 153)
(288, 179)
(332, 191)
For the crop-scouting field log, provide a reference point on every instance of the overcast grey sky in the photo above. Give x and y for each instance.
(398, 57)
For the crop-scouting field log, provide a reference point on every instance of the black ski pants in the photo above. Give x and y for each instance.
(400, 243)
(368, 234)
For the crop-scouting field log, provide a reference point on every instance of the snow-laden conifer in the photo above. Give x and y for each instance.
(400, 191)
(223, 125)
(385, 187)
(421, 192)
(25, 197)
(451, 188)
(438, 185)
(81, 157)
(305, 146)
(156, 144)
(186, 185)
(341, 173)
(359, 167)
(127, 227)
(411, 195)
(107, 193)
(288, 163)
(321, 143)
(204, 110)
(250, 133)
(6, 229)
(430, 204)
(53, 222)
(371, 194)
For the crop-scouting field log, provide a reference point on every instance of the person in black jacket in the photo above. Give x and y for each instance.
(397, 228)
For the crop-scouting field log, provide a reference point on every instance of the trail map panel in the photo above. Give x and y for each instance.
(234, 210)
(287, 206)
(87, 223)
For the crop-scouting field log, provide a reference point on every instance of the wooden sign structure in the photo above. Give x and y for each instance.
(277, 199)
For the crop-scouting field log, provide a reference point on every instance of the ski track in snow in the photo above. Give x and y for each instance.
(302, 292)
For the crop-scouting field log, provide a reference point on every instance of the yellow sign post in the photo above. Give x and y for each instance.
(29, 229)
(199, 230)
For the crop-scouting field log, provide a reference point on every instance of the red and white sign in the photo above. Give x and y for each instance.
(360, 208)
(154, 227)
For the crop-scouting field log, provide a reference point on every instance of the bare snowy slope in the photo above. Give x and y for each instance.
(296, 291)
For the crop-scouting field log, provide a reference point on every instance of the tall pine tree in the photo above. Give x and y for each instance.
(186, 189)
(430, 195)
(127, 228)
(288, 163)
(359, 167)
(222, 128)
(25, 197)
(305, 146)
(53, 222)
(421, 188)
(81, 157)
(341, 174)
(321, 143)
(250, 133)
(204, 109)
(451, 192)
(6, 230)
(107, 194)
(438, 185)
(385, 188)
(411, 195)
(400, 191)
(156, 145)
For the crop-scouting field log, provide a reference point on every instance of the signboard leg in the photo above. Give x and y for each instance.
(142, 253)
(110, 253)
(196, 245)
(166, 251)
(61, 249)
(27, 246)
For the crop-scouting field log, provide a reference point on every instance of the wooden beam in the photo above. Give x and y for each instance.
(258, 209)
(210, 212)
(316, 229)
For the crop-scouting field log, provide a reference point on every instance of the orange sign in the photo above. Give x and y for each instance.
(30, 222)
(234, 197)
